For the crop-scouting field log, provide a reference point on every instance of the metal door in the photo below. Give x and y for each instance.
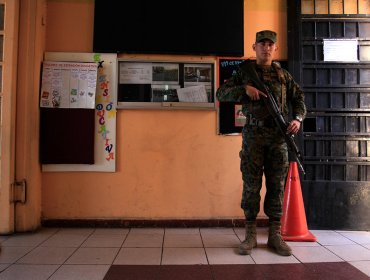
(336, 133)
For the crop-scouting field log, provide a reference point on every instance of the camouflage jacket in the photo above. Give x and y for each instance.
(279, 81)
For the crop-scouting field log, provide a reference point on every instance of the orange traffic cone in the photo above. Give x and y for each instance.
(293, 221)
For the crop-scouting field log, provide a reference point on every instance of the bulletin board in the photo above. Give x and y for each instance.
(230, 121)
(104, 111)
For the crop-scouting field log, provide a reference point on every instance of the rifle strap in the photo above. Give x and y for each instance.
(282, 80)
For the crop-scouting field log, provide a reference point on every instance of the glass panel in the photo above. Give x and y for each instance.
(364, 29)
(322, 7)
(336, 29)
(308, 30)
(308, 53)
(364, 53)
(322, 29)
(364, 7)
(336, 6)
(364, 76)
(350, 29)
(350, 6)
(308, 7)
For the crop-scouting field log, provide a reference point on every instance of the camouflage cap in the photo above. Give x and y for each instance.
(266, 34)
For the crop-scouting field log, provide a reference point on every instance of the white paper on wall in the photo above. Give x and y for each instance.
(341, 50)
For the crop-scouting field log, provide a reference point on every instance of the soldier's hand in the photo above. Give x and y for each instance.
(253, 93)
(293, 127)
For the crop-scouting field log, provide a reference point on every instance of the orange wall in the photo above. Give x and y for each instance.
(170, 164)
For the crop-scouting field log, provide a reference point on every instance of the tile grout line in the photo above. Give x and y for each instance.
(204, 247)
(121, 247)
(164, 235)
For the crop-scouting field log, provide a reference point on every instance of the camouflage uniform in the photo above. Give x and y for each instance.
(264, 149)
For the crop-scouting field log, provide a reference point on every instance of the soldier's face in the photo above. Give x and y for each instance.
(265, 51)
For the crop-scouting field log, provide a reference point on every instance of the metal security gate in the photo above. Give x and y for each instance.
(336, 133)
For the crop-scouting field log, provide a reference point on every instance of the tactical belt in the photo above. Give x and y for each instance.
(267, 122)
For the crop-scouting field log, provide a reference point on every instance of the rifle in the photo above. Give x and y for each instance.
(275, 112)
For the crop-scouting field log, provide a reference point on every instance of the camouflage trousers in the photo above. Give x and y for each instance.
(263, 151)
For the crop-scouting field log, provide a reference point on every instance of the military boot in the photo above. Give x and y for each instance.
(245, 248)
(276, 242)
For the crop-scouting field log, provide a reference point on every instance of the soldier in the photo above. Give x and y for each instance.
(264, 149)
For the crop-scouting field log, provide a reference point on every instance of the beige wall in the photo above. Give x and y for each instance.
(170, 164)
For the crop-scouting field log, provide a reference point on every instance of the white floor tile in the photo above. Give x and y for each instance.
(25, 240)
(331, 238)
(360, 237)
(147, 231)
(226, 256)
(217, 231)
(3, 267)
(12, 254)
(111, 231)
(80, 272)
(3, 238)
(220, 240)
(184, 256)
(139, 256)
(364, 266)
(45, 255)
(302, 244)
(267, 256)
(240, 233)
(28, 272)
(76, 231)
(172, 231)
(351, 252)
(183, 241)
(64, 240)
(101, 241)
(315, 254)
(93, 256)
(143, 240)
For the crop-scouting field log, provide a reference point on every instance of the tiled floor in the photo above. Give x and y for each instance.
(72, 253)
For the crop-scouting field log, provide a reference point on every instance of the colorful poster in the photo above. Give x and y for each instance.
(68, 85)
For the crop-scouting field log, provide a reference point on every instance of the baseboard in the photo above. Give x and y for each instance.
(120, 223)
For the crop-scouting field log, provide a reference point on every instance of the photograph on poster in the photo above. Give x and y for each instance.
(240, 119)
(165, 73)
(165, 93)
(197, 73)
